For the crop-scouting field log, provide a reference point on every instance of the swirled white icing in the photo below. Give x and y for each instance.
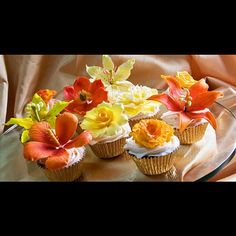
(76, 154)
(172, 118)
(139, 151)
(123, 132)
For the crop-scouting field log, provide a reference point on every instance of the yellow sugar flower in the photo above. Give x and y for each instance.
(135, 101)
(185, 79)
(104, 120)
(152, 133)
(113, 78)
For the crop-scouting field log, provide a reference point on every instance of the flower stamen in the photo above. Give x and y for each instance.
(53, 137)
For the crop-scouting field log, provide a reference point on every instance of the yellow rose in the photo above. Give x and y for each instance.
(104, 120)
(135, 100)
(185, 79)
(151, 133)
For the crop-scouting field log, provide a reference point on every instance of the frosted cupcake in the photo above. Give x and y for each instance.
(109, 127)
(188, 113)
(58, 154)
(136, 105)
(153, 146)
(83, 96)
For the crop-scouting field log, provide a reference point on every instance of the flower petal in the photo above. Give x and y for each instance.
(70, 93)
(174, 86)
(107, 62)
(204, 100)
(34, 151)
(168, 101)
(81, 140)
(42, 132)
(82, 83)
(76, 107)
(66, 125)
(200, 87)
(184, 121)
(95, 86)
(57, 161)
(46, 94)
(204, 115)
(98, 97)
(124, 70)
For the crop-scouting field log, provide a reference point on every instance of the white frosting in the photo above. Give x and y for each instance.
(122, 132)
(143, 116)
(76, 154)
(172, 118)
(139, 151)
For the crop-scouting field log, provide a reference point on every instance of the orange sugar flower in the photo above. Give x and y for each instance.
(46, 94)
(190, 103)
(85, 95)
(151, 133)
(51, 145)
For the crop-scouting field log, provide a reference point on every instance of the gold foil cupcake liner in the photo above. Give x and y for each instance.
(67, 174)
(192, 134)
(132, 122)
(155, 165)
(109, 150)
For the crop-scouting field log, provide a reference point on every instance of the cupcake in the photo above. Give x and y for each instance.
(153, 146)
(109, 127)
(136, 105)
(187, 108)
(58, 154)
(83, 96)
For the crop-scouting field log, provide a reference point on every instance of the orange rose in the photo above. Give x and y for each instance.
(152, 133)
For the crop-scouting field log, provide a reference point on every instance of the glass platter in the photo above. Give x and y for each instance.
(197, 162)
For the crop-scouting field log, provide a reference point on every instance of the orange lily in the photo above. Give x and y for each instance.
(52, 145)
(190, 103)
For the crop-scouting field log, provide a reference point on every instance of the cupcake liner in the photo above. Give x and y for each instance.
(109, 150)
(151, 165)
(191, 134)
(67, 174)
(132, 121)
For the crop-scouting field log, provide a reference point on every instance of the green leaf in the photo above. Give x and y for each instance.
(37, 108)
(56, 109)
(123, 72)
(23, 122)
(38, 100)
(107, 62)
(25, 136)
(52, 121)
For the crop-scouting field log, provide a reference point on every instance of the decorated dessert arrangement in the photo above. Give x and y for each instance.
(112, 116)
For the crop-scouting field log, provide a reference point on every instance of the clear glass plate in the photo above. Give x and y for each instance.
(197, 162)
